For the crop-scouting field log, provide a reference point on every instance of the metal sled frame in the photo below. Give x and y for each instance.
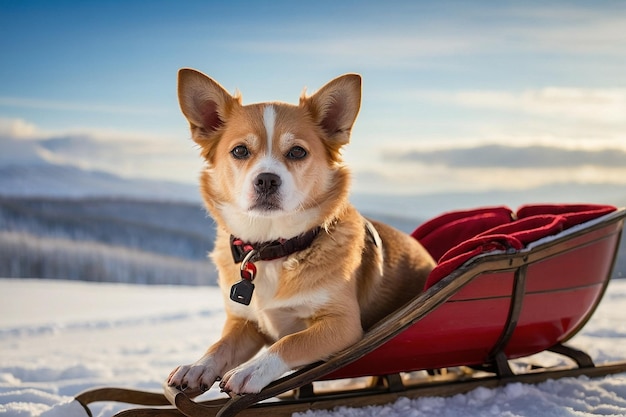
(579, 262)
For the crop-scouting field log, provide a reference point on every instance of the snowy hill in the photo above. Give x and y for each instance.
(28, 168)
(65, 181)
(167, 228)
(106, 240)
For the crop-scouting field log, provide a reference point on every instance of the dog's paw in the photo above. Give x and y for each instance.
(194, 379)
(254, 375)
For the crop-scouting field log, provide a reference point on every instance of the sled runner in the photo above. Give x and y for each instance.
(507, 286)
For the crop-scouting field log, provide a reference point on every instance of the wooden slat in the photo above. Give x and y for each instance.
(122, 395)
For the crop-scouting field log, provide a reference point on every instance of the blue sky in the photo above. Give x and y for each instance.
(452, 90)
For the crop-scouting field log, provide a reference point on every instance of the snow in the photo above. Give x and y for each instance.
(59, 338)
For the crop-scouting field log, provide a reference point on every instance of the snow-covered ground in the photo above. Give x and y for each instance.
(58, 338)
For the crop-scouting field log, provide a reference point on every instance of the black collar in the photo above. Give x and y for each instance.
(266, 251)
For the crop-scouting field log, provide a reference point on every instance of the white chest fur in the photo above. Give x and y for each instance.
(277, 317)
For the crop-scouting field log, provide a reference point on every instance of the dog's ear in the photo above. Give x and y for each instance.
(335, 106)
(204, 102)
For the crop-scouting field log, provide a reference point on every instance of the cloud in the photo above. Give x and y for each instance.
(501, 156)
(599, 105)
(129, 157)
(36, 103)
(418, 178)
(127, 154)
(16, 128)
(490, 167)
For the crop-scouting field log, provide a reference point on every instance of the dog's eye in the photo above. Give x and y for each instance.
(240, 152)
(297, 152)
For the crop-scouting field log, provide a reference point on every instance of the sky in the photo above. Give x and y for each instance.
(478, 96)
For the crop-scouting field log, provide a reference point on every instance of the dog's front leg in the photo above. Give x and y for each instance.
(325, 336)
(239, 342)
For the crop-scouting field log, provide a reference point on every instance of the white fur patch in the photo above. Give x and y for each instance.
(254, 228)
(254, 375)
(269, 120)
(282, 316)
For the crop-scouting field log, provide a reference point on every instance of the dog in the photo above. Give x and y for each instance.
(300, 270)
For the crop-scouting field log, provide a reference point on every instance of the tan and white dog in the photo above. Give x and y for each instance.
(275, 184)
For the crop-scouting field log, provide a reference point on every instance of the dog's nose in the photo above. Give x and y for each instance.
(267, 183)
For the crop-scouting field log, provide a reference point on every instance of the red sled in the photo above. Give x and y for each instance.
(507, 285)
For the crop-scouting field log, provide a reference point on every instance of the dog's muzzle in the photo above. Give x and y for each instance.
(267, 186)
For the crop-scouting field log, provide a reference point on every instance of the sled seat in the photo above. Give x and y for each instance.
(534, 277)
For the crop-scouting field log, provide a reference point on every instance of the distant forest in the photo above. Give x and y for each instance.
(121, 240)
(106, 240)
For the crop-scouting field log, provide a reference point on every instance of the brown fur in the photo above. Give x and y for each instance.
(315, 302)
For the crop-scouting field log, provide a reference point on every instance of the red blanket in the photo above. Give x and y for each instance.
(454, 238)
